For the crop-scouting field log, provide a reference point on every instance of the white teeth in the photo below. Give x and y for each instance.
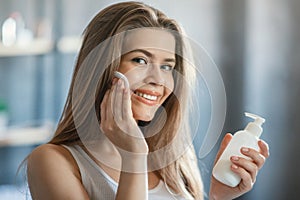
(147, 96)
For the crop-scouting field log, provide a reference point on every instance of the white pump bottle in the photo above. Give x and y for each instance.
(244, 138)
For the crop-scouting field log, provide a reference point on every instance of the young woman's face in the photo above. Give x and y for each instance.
(148, 62)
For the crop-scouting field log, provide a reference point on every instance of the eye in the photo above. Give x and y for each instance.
(167, 67)
(140, 61)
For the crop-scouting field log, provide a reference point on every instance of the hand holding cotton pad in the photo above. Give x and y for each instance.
(122, 76)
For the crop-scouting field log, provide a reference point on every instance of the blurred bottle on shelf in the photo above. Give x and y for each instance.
(15, 32)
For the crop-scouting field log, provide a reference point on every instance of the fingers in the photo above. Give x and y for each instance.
(127, 103)
(248, 169)
(258, 158)
(103, 106)
(264, 148)
(106, 109)
(118, 101)
(247, 182)
(247, 165)
(109, 104)
(122, 104)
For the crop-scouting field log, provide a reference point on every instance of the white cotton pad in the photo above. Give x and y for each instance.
(122, 76)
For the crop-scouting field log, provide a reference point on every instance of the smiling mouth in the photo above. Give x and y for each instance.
(147, 97)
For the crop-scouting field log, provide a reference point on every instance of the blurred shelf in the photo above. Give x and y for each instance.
(69, 44)
(26, 136)
(35, 47)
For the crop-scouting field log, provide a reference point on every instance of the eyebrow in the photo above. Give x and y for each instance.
(149, 54)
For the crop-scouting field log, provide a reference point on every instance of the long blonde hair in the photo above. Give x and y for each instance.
(182, 175)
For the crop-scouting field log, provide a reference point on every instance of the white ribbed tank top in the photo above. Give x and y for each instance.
(99, 185)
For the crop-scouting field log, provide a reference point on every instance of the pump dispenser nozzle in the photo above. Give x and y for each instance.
(259, 120)
(255, 127)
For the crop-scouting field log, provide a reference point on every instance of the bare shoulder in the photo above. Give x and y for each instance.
(47, 152)
(50, 155)
(52, 170)
(48, 149)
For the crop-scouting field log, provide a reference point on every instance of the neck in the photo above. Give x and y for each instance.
(104, 152)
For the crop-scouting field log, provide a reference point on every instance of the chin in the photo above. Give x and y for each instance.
(146, 117)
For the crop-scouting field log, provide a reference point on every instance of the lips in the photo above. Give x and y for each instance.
(147, 96)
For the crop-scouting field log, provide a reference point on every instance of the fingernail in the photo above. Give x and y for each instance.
(235, 158)
(244, 149)
(234, 166)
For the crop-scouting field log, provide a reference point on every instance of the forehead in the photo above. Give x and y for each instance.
(149, 38)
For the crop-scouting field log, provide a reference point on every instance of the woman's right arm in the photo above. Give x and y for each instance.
(133, 186)
(121, 129)
(53, 174)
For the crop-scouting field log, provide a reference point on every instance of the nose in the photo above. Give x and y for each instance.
(155, 75)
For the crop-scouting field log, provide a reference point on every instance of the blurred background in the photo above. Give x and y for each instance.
(255, 44)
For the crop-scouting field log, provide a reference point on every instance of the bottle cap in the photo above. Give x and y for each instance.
(255, 127)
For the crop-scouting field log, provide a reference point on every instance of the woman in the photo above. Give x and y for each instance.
(114, 142)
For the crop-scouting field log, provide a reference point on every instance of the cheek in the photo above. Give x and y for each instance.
(167, 93)
(134, 76)
(169, 85)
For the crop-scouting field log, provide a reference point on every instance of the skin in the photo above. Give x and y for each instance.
(146, 70)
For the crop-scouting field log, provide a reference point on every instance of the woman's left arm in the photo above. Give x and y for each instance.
(246, 169)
